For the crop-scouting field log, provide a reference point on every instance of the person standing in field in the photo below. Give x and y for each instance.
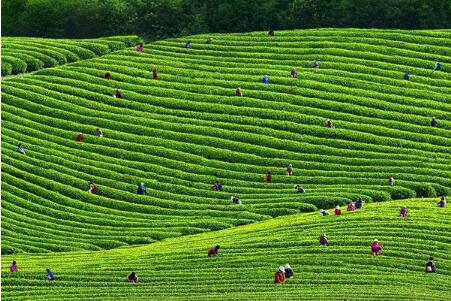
(437, 66)
(139, 47)
(217, 186)
(279, 276)
(403, 212)
(80, 137)
(337, 210)
(13, 267)
(299, 189)
(99, 132)
(50, 275)
(118, 94)
(213, 251)
(391, 181)
(434, 122)
(290, 170)
(141, 189)
(329, 124)
(289, 273)
(294, 73)
(238, 92)
(315, 64)
(268, 177)
(155, 74)
(324, 212)
(132, 277)
(20, 149)
(430, 265)
(323, 240)
(376, 248)
(359, 204)
(92, 188)
(235, 200)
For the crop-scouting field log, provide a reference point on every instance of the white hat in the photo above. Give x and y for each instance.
(321, 210)
(338, 207)
(287, 266)
(282, 269)
(376, 240)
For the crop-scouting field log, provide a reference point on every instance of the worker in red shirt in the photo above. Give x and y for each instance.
(268, 177)
(92, 188)
(213, 251)
(279, 276)
(155, 74)
(80, 137)
(337, 210)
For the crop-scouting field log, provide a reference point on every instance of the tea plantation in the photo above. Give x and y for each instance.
(181, 132)
(179, 269)
(20, 55)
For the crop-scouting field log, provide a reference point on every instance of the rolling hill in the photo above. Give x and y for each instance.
(20, 55)
(179, 269)
(180, 133)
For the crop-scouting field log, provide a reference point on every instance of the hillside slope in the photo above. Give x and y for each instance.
(178, 268)
(180, 133)
(20, 55)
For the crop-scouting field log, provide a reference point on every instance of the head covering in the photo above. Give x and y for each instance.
(282, 269)
(287, 266)
(338, 207)
(321, 210)
(375, 240)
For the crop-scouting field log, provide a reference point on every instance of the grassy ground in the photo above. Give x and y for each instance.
(179, 269)
(180, 133)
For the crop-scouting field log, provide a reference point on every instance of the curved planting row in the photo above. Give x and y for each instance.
(181, 132)
(179, 269)
(20, 55)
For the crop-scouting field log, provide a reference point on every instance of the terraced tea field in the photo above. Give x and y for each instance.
(20, 55)
(178, 268)
(180, 133)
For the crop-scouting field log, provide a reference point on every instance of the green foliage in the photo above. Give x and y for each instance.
(17, 65)
(179, 269)
(180, 133)
(398, 192)
(423, 190)
(7, 68)
(162, 18)
(32, 54)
